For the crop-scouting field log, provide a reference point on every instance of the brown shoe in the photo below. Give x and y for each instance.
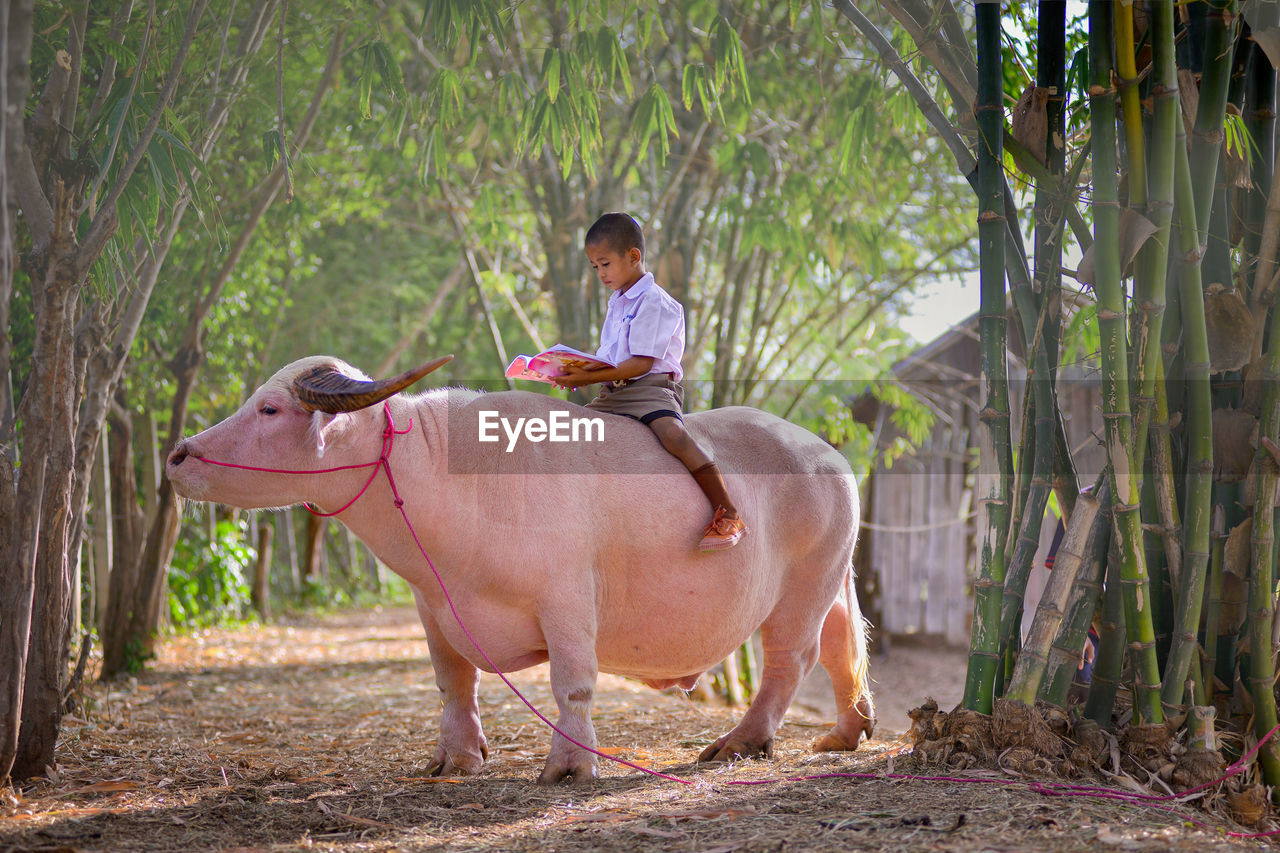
(722, 532)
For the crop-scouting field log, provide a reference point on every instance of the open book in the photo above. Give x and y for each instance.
(553, 362)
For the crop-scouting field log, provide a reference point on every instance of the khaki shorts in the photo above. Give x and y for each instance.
(645, 399)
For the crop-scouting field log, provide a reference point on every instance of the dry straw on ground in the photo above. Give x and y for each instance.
(316, 737)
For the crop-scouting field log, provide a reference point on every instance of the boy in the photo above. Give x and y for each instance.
(643, 334)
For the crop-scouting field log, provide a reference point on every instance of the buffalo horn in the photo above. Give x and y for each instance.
(326, 389)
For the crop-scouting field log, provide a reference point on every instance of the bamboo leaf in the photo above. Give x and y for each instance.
(389, 71)
(157, 189)
(845, 149)
(121, 53)
(688, 85)
(366, 83)
(620, 63)
(654, 117)
(1078, 73)
(271, 146)
(551, 73)
(158, 153)
(473, 47)
(555, 126)
(438, 149)
(727, 49)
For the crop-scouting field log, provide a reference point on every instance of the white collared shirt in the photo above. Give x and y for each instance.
(645, 321)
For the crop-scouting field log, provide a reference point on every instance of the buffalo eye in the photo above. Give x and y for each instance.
(269, 409)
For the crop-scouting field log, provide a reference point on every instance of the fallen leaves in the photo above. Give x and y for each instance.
(350, 818)
(107, 786)
(623, 815)
(322, 734)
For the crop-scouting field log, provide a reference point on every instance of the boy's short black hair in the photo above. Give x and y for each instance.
(616, 231)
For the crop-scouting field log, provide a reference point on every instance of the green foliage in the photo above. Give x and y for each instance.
(654, 120)
(136, 656)
(1081, 340)
(1238, 140)
(209, 578)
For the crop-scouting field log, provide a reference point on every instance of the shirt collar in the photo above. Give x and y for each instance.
(639, 288)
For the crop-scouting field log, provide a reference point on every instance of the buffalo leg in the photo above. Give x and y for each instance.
(844, 657)
(573, 681)
(784, 668)
(462, 749)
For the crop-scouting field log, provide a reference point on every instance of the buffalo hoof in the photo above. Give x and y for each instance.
(443, 764)
(847, 735)
(729, 748)
(835, 741)
(581, 775)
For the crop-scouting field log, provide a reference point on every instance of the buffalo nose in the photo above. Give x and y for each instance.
(180, 453)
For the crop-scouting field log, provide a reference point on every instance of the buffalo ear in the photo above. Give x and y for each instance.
(325, 428)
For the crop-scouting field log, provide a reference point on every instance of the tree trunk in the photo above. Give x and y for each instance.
(261, 594)
(50, 411)
(148, 591)
(285, 520)
(127, 542)
(311, 568)
(52, 492)
(102, 524)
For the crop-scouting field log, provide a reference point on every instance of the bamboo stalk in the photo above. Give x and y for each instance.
(1210, 198)
(1117, 412)
(1207, 134)
(1161, 473)
(1260, 120)
(1261, 582)
(1152, 264)
(1213, 608)
(1086, 593)
(1022, 467)
(1197, 504)
(1035, 463)
(1051, 74)
(995, 469)
(1130, 106)
(1082, 538)
(1109, 664)
(1200, 733)
(1040, 323)
(1065, 483)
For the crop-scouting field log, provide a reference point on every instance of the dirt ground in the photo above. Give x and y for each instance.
(316, 736)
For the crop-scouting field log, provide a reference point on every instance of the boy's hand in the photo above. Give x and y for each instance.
(575, 378)
(637, 365)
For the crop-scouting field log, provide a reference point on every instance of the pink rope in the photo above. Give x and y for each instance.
(1048, 789)
(388, 442)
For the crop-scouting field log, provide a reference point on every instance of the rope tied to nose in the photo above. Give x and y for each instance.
(383, 462)
(1051, 789)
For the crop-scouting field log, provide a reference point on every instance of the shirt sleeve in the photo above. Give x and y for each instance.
(656, 322)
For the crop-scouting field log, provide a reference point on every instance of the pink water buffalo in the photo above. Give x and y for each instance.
(579, 552)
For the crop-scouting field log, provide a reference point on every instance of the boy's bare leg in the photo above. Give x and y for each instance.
(677, 441)
(726, 528)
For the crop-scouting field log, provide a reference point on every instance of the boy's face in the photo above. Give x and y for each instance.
(616, 270)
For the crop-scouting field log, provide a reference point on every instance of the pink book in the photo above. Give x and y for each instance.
(556, 361)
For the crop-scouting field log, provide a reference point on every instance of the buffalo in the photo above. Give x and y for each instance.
(580, 553)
